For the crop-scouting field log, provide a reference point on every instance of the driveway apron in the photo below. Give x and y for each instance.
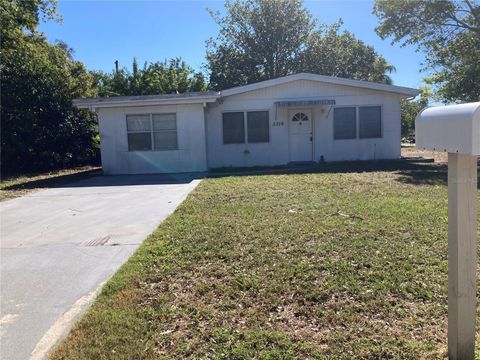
(58, 246)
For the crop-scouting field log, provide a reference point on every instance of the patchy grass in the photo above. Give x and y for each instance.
(325, 265)
(15, 186)
(412, 151)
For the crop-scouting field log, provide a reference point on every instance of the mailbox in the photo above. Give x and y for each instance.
(456, 129)
(452, 128)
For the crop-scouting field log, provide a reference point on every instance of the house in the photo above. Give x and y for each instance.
(299, 118)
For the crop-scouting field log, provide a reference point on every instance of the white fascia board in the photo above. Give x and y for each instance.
(107, 103)
(322, 78)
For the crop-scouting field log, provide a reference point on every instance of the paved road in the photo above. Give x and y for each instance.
(58, 246)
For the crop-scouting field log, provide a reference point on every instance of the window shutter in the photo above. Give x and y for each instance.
(344, 123)
(257, 126)
(370, 119)
(233, 128)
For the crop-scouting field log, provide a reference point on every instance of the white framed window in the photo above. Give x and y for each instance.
(139, 132)
(240, 127)
(148, 132)
(164, 132)
(344, 123)
(370, 122)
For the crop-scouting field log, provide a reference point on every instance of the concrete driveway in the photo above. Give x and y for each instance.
(58, 246)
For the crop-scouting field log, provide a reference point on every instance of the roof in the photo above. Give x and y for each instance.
(142, 100)
(212, 96)
(325, 79)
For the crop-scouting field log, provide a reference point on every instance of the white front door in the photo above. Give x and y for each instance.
(300, 134)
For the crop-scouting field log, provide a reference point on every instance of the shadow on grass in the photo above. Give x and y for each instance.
(53, 181)
(416, 171)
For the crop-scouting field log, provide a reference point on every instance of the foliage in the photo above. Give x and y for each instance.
(264, 39)
(40, 129)
(449, 32)
(459, 74)
(409, 110)
(331, 52)
(19, 15)
(154, 78)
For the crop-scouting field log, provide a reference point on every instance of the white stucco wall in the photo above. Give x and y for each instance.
(277, 152)
(191, 153)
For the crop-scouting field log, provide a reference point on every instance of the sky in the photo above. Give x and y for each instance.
(101, 32)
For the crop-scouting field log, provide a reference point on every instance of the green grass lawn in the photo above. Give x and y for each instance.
(19, 185)
(329, 265)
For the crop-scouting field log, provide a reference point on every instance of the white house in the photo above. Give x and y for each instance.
(299, 118)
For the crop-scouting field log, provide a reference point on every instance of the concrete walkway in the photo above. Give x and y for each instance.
(58, 246)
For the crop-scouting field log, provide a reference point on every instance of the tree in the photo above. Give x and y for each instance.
(409, 110)
(330, 52)
(458, 76)
(449, 33)
(264, 39)
(154, 78)
(24, 15)
(40, 128)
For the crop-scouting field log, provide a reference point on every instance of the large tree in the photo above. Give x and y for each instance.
(448, 31)
(332, 52)
(40, 128)
(264, 39)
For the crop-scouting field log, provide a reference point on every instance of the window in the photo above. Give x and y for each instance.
(139, 130)
(233, 128)
(344, 123)
(370, 122)
(164, 131)
(300, 117)
(257, 126)
(152, 132)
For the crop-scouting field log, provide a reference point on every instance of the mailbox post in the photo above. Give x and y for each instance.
(456, 129)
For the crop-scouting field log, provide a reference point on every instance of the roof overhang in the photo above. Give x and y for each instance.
(212, 96)
(405, 91)
(150, 100)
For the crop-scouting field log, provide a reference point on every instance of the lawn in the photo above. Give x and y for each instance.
(19, 185)
(322, 265)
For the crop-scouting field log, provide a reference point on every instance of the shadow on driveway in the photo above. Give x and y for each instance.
(96, 178)
(414, 170)
(128, 180)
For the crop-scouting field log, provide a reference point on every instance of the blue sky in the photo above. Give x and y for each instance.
(101, 32)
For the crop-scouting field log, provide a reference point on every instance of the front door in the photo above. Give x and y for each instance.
(300, 134)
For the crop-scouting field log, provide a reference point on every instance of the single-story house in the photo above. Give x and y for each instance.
(299, 118)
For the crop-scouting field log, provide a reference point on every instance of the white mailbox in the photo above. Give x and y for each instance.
(452, 128)
(456, 129)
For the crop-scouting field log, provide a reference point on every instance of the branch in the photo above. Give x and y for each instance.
(463, 23)
(472, 11)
